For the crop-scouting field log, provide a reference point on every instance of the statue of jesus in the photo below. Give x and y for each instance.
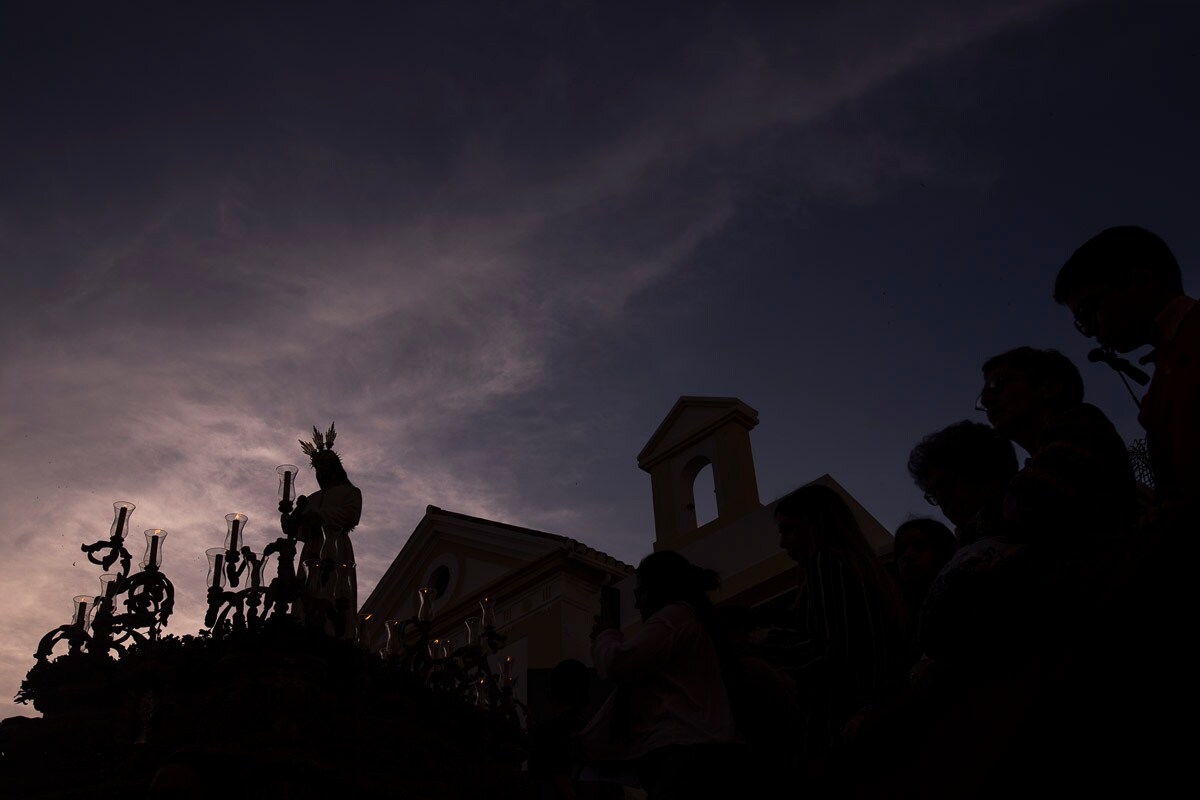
(323, 521)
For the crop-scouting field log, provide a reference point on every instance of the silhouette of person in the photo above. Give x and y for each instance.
(966, 618)
(764, 699)
(1078, 481)
(973, 684)
(553, 754)
(845, 643)
(922, 547)
(671, 709)
(1074, 503)
(1125, 289)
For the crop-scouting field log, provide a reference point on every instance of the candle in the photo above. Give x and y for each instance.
(394, 645)
(152, 561)
(233, 533)
(287, 486)
(506, 672)
(120, 532)
(218, 565)
(425, 597)
(81, 614)
(488, 610)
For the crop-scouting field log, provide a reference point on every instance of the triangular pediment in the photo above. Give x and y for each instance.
(692, 419)
(474, 551)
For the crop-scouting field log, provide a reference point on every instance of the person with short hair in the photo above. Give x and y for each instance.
(1077, 489)
(1125, 289)
(1074, 504)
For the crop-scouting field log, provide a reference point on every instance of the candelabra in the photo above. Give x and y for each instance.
(133, 607)
(463, 671)
(129, 607)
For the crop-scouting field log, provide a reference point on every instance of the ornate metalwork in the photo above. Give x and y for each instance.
(131, 608)
(464, 672)
(1143, 468)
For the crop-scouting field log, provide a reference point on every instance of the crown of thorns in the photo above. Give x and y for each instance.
(320, 444)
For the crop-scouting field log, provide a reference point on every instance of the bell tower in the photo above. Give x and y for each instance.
(700, 431)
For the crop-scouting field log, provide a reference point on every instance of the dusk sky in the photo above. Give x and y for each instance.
(496, 241)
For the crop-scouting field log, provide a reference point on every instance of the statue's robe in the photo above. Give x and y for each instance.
(333, 512)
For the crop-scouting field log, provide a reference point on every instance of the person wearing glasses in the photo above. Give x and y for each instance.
(971, 688)
(1074, 504)
(965, 470)
(1124, 288)
(1077, 490)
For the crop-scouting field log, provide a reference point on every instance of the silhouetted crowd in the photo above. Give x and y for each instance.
(1039, 647)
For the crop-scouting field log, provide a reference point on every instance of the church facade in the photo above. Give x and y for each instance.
(545, 587)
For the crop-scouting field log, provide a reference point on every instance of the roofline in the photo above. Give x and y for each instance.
(734, 408)
(431, 509)
(568, 549)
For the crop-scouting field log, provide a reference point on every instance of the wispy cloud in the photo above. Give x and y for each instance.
(178, 340)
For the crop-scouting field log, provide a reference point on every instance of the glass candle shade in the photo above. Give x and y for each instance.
(81, 606)
(108, 585)
(237, 527)
(473, 630)
(506, 678)
(487, 612)
(343, 580)
(335, 546)
(216, 567)
(259, 570)
(425, 596)
(312, 578)
(394, 644)
(154, 548)
(287, 481)
(362, 636)
(122, 511)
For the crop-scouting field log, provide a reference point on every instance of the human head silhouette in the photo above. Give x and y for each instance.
(922, 547)
(1025, 387)
(1116, 283)
(962, 468)
(666, 577)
